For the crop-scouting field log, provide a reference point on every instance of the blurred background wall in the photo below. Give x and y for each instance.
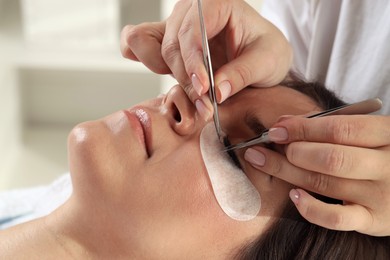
(60, 64)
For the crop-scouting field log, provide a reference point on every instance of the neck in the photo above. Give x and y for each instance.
(41, 237)
(84, 235)
(60, 235)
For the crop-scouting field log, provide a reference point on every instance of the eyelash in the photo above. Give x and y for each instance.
(231, 153)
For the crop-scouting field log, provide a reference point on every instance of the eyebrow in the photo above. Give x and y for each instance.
(254, 123)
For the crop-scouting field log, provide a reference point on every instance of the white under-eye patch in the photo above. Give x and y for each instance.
(234, 192)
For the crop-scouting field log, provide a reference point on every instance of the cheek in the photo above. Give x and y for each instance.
(179, 190)
(174, 194)
(181, 178)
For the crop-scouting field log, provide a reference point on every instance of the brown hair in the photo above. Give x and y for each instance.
(293, 237)
(290, 238)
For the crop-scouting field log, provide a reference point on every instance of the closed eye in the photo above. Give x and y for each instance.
(231, 153)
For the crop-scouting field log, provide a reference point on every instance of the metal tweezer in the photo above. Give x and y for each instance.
(363, 107)
(209, 69)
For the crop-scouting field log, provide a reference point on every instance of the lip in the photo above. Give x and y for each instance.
(140, 119)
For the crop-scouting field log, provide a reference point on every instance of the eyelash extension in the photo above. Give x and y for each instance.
(231, 153)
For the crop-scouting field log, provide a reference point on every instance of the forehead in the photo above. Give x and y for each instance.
(267, 104)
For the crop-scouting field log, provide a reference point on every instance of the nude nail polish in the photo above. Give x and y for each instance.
(196, 84)
(254, 157)
(294, 196)
(278, 134)
(202, 110)
(225, 89)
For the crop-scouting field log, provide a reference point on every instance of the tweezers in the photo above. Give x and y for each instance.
(363, 107)
(209, 69)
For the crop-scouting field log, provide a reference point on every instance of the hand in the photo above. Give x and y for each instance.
(246, 49)
(342, 157)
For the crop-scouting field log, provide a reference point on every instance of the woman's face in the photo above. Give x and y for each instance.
(140, 172)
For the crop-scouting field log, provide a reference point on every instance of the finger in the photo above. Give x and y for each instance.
(170, 47)
(284, 117)
(355, 130)
(190, 38)
(124, 47)
(204, 107)
(190, 90)
(332, 216)
(278, 166)
(338, 160)
(144, 43)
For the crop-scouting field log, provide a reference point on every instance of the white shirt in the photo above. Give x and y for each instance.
(344, 44)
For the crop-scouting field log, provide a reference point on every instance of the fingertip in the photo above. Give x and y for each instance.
(204, 108)
(196, 84)
(300, 198)
(255, 158)
(295, 196)
(278, 134)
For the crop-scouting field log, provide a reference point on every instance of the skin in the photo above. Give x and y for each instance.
(248, 50)
(344, 157)
(174, 47)
(154, 200)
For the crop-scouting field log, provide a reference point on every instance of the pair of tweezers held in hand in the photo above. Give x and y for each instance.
(209, 69)
(363, 107)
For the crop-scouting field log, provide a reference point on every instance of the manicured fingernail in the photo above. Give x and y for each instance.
(225, 89)
(254, 157)
(294, 196)
(196, 84)
(202, 109)
(278, 134)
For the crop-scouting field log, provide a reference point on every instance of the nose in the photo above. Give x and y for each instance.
(181, 111)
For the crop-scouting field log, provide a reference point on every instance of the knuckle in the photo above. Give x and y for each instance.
(185, 27)
(188, 54)
(275, 167)
(169, 50)
(308, 212)
(245, 74)
(303, 129)
(125, 50)
(189, 90)
(189, 57)
(126, 28)
(133, 34)
(299, 129)
(336, 221)
(340, 131)
(292, 152)
(318, 182)
(335, 160)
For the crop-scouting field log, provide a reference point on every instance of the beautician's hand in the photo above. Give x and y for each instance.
(343, 157)
(246, 49)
